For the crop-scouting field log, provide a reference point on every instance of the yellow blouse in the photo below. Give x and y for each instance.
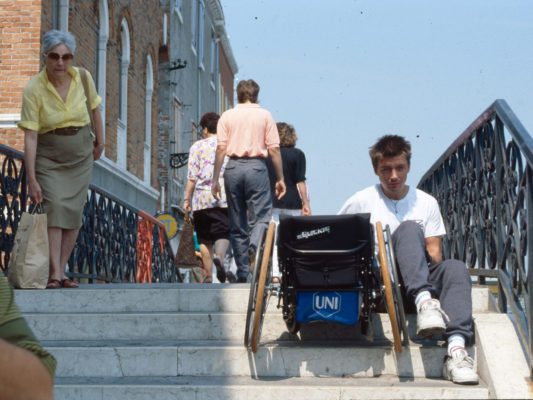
(44, 110)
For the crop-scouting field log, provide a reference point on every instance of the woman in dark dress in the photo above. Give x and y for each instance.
(296, 199)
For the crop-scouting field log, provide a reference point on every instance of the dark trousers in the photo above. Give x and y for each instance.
(249, 206)
(448, 280)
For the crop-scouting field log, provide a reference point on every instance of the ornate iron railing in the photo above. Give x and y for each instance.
(117, 242)
(483, 184)
(12, 198)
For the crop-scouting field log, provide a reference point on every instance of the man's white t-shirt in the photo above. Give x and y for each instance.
(416, 206)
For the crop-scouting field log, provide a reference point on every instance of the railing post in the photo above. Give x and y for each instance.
(501, 165)
(529, 202)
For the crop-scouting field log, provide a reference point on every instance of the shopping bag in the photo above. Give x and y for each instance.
(186, 256)
(29, 263)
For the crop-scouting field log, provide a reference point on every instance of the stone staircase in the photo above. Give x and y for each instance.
(181, 341)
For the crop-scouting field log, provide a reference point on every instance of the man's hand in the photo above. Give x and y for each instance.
(306, 210)
(216, 190)
(280, 189)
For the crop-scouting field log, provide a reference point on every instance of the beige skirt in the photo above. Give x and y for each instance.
(63, 168)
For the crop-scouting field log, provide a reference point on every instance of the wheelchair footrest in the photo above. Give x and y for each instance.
(329, 306)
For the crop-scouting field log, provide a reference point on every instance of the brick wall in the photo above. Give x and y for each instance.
(20, 26)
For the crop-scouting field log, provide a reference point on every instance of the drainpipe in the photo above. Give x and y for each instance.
(198, 70)
(217, 84)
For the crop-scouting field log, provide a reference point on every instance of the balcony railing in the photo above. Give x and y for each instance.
(117, 242)
(483, 184)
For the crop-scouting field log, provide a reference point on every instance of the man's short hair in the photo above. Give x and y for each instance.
(287, 135)
(209, 120)
(247, 90)
(390, 146)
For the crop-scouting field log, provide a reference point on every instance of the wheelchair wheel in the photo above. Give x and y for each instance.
(389, 297)
(262, 277)
(400, 310)
(262, 294)
(253, 290)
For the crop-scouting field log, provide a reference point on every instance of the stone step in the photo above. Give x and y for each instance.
(164, 298)
(196, 326)
(324, 359)
(246, 388)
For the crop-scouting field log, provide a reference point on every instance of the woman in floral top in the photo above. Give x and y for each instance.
(210, 215)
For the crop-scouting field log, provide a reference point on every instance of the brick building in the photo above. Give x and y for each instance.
(128, 46)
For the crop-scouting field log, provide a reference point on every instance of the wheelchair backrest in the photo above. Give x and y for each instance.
(325, 250)
(326, 232)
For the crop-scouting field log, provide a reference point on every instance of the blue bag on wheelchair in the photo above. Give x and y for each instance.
(342, 307)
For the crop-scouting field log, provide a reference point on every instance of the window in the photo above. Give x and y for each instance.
(122, 123)
(213, 63)
(177, 9)
(193, 26)
(165, 29)
(60, 9)
(148, 119)
(101, 62)
(201, 15)
(177, 133)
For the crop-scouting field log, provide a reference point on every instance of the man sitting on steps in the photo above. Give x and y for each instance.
(417, 228)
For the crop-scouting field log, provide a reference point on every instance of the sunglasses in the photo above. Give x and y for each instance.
(56, 57)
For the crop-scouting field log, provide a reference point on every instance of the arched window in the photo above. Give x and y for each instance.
(103, 37)
(122, 123)
(148, 119)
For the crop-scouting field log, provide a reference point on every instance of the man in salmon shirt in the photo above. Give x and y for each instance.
(247, 134)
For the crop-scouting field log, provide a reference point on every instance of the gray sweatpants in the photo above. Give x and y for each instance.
(249, 206)
(448, 280)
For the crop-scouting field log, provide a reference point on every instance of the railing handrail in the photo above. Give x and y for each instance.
(11, 151)
(148, 256)
(484, 185)
(504, 112)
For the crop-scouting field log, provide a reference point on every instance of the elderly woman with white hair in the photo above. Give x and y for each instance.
(59, 146)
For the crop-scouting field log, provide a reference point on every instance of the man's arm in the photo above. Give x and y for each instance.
(216, 191)
(275, 156)
(23, 375)
(434, 249)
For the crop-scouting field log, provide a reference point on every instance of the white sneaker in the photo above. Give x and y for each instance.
(459, 368)
(430, 319)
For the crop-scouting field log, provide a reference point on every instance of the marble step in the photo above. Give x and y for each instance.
(164, 298)
(196, 326)
(245, 388)
(325, 359)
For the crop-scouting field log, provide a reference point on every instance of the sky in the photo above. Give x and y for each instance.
(345, 72)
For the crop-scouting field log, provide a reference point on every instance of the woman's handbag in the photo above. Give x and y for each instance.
(186, 256)
(29, 263)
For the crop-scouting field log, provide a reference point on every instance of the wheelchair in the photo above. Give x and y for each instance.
(329, 272)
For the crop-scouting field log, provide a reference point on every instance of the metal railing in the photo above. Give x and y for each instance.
(117, 242)
(483, 183)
